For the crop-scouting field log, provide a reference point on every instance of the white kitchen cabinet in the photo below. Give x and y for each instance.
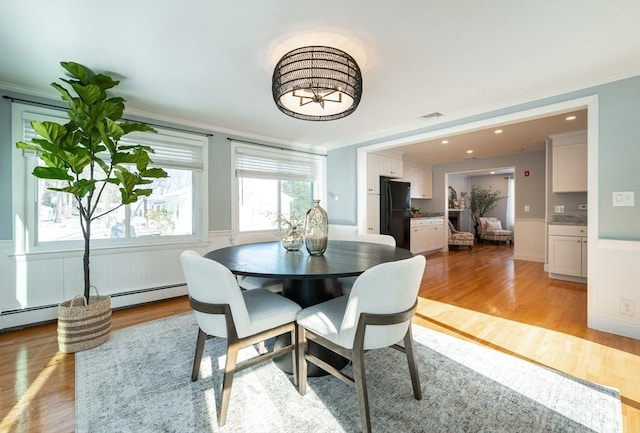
(373, 174)
(421, 181)
(418, 238)
(568, 252)
(427, 234)
(435, 235)
(421, 178)
(569, 163)
(390, 167)
(373, 213)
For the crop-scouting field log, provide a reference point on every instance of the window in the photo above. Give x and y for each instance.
(272, 183)
(49, 220)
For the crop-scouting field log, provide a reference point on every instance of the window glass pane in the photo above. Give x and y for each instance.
(296, 199)
(262, 199)
(258, 205)
(168, 211)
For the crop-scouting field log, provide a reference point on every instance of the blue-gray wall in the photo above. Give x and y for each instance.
(619, 159)
(219, 167)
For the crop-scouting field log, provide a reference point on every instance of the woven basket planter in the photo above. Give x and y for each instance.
(82, 326)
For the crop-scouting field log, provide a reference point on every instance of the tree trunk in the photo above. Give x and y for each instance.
(85, 259)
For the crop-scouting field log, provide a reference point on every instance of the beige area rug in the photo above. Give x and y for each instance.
(140, 381)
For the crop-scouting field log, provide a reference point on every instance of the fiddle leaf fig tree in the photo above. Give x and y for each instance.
(85, 153)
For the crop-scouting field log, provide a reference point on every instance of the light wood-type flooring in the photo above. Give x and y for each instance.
(484, 296)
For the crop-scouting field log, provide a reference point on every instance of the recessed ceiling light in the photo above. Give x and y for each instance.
(498, 131)
(469, 151)
(445, 141)
(570, 118)
(493, 172)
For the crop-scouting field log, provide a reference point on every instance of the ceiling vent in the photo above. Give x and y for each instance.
(433, 115)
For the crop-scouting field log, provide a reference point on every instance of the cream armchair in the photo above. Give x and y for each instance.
(491, 230)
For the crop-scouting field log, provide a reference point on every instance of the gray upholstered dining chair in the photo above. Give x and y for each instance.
(376, 314)
(346, 283)
(244, 318)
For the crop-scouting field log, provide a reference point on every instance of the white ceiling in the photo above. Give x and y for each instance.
(209, 64)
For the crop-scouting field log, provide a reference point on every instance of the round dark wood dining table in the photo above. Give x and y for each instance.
(308, 280)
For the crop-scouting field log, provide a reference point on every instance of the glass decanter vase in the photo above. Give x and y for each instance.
(292, 241)
(316, 230)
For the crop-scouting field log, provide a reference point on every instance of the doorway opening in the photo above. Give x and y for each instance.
(458, 210)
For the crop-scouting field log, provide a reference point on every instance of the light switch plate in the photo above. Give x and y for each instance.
(623, 198)
(558, 209)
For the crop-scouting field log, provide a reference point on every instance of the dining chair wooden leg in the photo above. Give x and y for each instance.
(197, 358)
(294, 354)
(227, 381)
(413, 366)
(360, 383)
(301, 348)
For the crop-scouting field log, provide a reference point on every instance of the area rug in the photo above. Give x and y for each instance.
(140, 381)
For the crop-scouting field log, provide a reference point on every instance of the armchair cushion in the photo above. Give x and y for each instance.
(493, 225)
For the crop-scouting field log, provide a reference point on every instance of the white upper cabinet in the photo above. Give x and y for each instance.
(569, 164)
(377, 166)
(421, 181)
(390, 167)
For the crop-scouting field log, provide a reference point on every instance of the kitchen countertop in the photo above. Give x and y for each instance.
(427, 215)
(569, 220)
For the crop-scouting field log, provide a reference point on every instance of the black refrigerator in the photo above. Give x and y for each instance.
(395, 210)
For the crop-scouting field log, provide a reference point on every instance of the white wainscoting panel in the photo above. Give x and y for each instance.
(529, 239)
(618, 278)
(130, 275)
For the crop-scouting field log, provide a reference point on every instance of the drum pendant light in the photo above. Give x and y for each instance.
(317, 83)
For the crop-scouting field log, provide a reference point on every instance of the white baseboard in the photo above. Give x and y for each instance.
(528, 257)
(21, 318)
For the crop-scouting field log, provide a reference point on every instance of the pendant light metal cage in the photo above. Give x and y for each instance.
(317, 83)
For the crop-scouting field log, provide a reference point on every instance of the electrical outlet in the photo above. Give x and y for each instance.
(628, 307)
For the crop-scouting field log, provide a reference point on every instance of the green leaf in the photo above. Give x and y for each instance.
(50, 131)
(113, 108)
(66, 96)
(52, 173)
(78, 71)
(84, 186)
(27, 146)
(104, 81)
(139, 157)
(154, 172)
(90, 93)
(128, 127)
(114, 130)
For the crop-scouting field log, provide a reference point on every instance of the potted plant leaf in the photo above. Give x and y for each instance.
(85, 156)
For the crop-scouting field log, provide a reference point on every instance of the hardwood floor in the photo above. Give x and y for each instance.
(484, 296)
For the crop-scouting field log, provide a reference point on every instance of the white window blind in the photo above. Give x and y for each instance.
(260, 164)
(169, 150)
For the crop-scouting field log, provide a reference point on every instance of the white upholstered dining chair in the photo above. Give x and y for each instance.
(376, 314)
(346, 283)
(244, 318)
